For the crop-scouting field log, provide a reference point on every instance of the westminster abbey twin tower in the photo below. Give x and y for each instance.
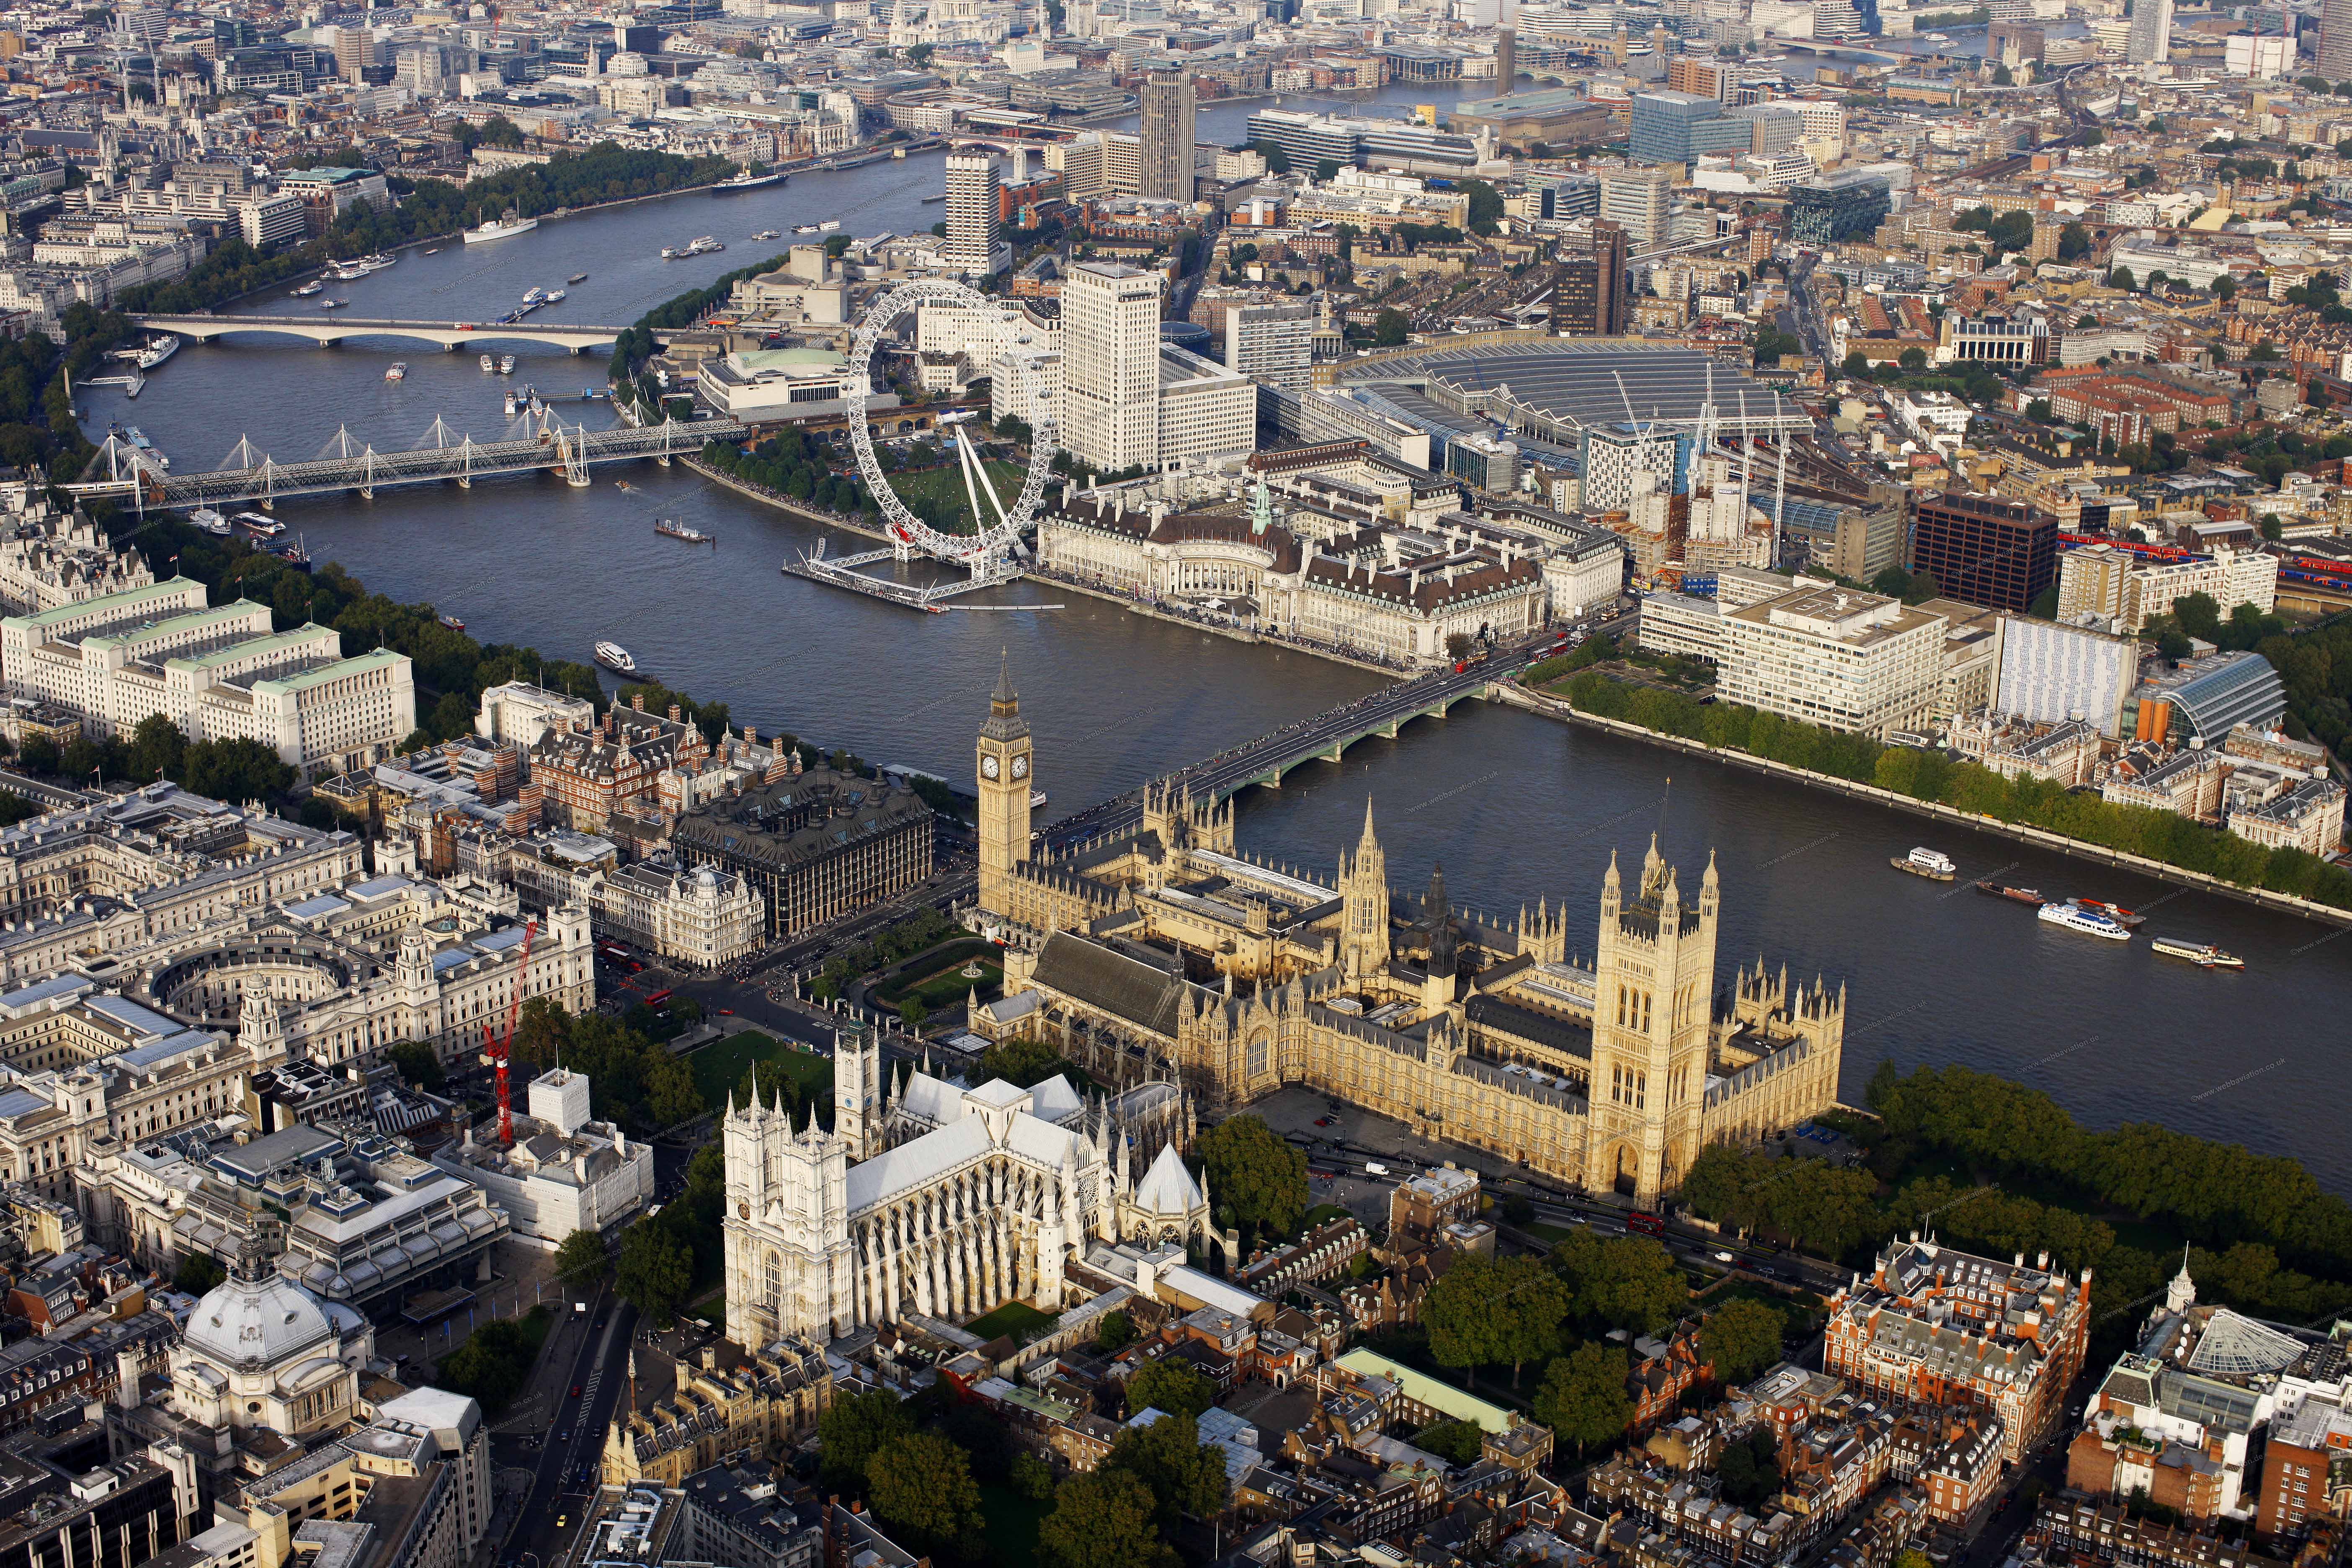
(1161, 954)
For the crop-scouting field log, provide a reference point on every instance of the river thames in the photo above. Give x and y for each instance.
(1514, 806)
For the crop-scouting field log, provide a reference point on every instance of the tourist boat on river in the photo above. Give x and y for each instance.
(208, 520)
(253, 522)
(312, 287)
(2203, 954)
(613, 655)
(1933, 864)
(396, 370)
(2089, 922)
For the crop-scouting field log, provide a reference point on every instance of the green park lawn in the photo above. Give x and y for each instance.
(719, 1066)
(937, 979)
(1014, 1318)
(945, 487)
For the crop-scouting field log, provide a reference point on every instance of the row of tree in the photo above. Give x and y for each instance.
(237, 770)
(789, 467)
(2160, 835)
(637, 343)
(1556, 1311)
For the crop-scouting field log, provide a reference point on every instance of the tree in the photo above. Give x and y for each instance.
(921, 1483)
(853, 1429)
(2198, 614)
(1389, 329)
(1020, 1062)
(2038, 411)
(1892, 581)
(2003, 77)
(2173, 646)
(1457, 1442)
(654, 1272)
(581, 1259)
(1114, 1333)
(1914, 359)
(1185, 1475)
(1463, 1317)
(1326, 170)
(1486, 206)
(158, 751)
(1170, 1384)
(2225, 287)
(2074, 243)
(416, 1064)
(1627, 1282)
(1747, 1470)
(1583, 1398)
(2120, 277)
(198, 1274)
(1254, 1175)
(1857, 363)
(912, 1012)
(1103, 1520)
(1740, 1339)
(1277, 161)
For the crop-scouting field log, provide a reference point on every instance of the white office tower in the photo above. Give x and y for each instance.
(1272, 343)
(1110, 364)
(2149, 42)
(1638, 201)
(971, 244)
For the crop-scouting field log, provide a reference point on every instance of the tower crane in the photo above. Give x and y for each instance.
(498, 1048)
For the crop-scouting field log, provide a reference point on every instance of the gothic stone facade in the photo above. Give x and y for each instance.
(1163, 949)
(937, 1199)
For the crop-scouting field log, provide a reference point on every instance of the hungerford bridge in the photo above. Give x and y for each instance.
(329, 329)
(349, 466)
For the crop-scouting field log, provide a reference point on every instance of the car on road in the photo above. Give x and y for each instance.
(1324, 1120)
(1723, 1257)
(575, 1390)
(727, 1012)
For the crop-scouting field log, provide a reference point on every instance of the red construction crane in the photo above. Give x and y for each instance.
(499, 1048)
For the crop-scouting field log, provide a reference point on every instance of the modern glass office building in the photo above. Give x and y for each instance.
(1676, 126)
(1843, 206)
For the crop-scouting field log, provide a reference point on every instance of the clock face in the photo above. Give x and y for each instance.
(987, 767)
(1020, 767)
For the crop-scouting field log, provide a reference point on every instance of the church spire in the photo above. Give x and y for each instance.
(1005, 702)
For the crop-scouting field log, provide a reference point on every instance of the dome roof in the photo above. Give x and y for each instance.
(257, 1322)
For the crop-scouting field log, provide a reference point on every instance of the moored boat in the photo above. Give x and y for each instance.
(504, 228)
(208, 520)
(2115, 912)
(253, 522)
(2203, 954)
(452, 622)
(1999, 890)
(676, 530)
(1933, 864)
(488, 363)
(613, 655)
(2089, 922)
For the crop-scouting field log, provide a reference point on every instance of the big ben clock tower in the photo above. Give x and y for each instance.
(1004, 787)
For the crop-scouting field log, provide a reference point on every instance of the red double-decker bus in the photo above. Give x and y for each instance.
(1640, 1224)
(657, 998)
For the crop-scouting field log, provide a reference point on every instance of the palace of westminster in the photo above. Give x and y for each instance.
(1185, 974)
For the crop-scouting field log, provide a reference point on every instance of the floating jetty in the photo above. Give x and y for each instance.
(847, 572)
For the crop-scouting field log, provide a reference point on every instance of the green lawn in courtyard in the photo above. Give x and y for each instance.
(719, 1066)
(1010, 1521)
(1017, 1319)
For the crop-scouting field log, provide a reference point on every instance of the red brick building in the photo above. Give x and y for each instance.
(1933, 1326)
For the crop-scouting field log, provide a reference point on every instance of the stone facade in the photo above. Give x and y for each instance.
(1164, 946)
